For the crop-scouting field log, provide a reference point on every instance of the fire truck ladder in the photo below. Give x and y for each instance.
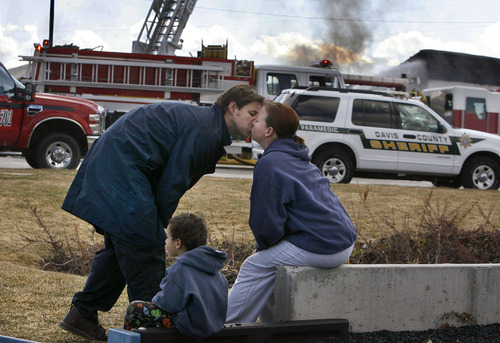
(161, 32)
(75, 71)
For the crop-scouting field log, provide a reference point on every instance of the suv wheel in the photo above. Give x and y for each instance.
(336, 165)
(452, 182)
(481, 172)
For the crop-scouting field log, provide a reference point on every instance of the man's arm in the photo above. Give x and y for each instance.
(194, 152)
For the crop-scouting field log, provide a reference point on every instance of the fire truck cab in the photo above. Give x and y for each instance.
(466, 107)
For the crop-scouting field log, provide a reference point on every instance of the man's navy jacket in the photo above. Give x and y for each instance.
(134, 175)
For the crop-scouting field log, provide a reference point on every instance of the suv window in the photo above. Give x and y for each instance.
(416, 118)
(316, 108)
(372, 113)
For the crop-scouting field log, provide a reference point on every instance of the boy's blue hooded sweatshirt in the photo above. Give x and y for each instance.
(291, 200)
(194, 291)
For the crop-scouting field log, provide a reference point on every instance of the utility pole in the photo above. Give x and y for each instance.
(51, 23)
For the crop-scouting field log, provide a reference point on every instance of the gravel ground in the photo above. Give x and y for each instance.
(465, 334)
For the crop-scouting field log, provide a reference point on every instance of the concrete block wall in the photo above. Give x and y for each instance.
(389, 297)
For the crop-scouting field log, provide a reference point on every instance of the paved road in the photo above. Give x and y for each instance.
(244, 172)
(9, 162)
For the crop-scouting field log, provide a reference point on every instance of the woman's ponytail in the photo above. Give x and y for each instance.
(298, 139)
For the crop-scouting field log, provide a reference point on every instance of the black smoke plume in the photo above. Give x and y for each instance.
(344, 34)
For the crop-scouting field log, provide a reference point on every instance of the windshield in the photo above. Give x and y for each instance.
(8, 84)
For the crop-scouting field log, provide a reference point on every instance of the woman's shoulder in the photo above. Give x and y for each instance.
(276, 163)
(270, 159)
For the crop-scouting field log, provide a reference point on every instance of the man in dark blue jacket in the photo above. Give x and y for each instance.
(130, 184)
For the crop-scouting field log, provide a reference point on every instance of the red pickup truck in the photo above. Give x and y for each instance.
(51, 131)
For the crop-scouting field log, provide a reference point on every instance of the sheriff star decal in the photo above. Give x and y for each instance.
(465, 141)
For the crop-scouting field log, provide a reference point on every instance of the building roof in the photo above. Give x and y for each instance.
(453, 66)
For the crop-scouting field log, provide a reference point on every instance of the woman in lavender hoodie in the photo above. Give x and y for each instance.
(294, 215)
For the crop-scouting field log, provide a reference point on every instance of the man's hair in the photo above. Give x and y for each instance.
(190, 229)
(242, 94)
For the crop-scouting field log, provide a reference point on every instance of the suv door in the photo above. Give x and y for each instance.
(424, 145)
(11, 109)
(373, 133)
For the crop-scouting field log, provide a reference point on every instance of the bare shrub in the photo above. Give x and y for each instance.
(63, 256)
(439, 238)
(236, 253)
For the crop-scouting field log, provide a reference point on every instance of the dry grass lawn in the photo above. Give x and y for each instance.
(34, 301)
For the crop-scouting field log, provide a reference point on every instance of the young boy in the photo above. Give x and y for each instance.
(193, 296)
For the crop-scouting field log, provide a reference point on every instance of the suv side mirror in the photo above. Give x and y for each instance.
(29, 92)
(441, 128)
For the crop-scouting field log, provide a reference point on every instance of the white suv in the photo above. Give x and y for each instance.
(366, 133)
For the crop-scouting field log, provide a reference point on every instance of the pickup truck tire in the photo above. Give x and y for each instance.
(58, 151)
(30, 156)
(336, 165)
(481, 172)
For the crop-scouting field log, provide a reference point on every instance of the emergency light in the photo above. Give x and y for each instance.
(326, 63)
(322, 64)
(45, 44)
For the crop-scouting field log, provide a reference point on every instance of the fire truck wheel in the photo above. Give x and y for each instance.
(58, 151)
(335, 165)
(30, 157)
(481, 172)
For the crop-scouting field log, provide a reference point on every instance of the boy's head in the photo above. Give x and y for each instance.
(185, 232)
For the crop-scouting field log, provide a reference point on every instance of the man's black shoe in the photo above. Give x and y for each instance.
(76, 324)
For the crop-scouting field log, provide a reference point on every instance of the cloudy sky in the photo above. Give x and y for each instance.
(359, 36)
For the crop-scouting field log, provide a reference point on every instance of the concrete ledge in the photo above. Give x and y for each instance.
(123, 336)
(6, 339)
(389, 297)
